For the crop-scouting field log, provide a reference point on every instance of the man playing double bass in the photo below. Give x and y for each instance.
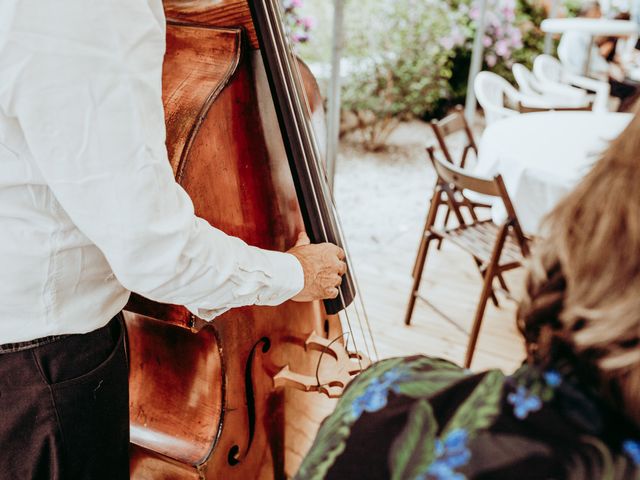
(89, 212)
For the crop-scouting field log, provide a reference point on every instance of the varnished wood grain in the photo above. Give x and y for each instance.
(234, 424)
(215, 13)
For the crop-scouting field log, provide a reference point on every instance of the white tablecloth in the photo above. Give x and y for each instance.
(542, 156)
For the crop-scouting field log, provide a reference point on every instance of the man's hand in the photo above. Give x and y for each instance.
(323, 267)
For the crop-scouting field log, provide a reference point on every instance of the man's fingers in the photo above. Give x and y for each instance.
(342, 268)
(331, 293)
(340, 253)
(303, 239)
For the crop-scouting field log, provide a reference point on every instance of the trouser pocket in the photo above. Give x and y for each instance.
(92, 406)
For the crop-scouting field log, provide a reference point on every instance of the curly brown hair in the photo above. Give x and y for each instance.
(583, 283)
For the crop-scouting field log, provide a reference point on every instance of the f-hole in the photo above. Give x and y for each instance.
(234, 455)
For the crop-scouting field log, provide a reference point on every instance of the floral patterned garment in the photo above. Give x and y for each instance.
(420, 418)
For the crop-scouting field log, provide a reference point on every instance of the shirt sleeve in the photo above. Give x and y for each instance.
(83, 79)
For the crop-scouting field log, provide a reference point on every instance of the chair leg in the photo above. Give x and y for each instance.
(429, 221)
(494, 299)
(420, 262)
(503, 284)
(446, 222)
(477, 322)
(487, 289)
(423, 242)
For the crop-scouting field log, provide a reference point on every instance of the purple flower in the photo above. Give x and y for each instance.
(308, 22)
(502, 48)
(487, 41)
(491, 60)
(447, 43)
(524, 402)
(509, 14)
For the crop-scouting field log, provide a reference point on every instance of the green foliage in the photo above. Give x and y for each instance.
(396, 68)
(410, 58)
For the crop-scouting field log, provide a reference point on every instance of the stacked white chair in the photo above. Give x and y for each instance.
(550, 72)
(560, 95)
(499, 99)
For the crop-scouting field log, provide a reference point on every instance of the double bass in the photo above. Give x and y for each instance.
(241, 397)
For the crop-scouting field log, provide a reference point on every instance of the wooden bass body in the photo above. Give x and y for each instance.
(204, 401)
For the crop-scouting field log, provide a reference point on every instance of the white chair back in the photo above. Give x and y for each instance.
(557, 95)
(526, 80)
(491, 91)
(548, 69)
(550, 72)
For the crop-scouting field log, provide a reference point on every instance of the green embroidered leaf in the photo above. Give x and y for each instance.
(323, 455)
(414, 449)
(426, 363)
(481, 407)
(331, 439)
(606, 457)
(547, 395)
(426, 384)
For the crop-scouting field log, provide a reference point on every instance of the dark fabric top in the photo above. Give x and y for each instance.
(427, 419)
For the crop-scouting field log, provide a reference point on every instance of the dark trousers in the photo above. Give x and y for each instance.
(64, 407)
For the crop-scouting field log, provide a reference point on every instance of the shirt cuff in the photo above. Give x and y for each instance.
(287, 278)
(280, 274)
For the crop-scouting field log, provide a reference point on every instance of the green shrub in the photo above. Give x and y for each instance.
(396, 68)
(410, 58)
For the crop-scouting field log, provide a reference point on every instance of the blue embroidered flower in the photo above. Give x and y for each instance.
(553, 378)
(632, 449)
(451, 454)
(524, 402)
(374, 397)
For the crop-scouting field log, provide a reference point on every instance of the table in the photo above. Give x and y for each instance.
(599, 27)
(542, 156)
(596, 27)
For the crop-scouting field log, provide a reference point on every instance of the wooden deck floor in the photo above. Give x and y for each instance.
(440, 327)
(383, 204)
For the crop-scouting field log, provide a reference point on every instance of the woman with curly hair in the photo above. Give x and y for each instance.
(572, 411)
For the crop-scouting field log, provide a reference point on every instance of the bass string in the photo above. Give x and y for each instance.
(286, 75)
(320, 174)
(289, 72)
(329, 195)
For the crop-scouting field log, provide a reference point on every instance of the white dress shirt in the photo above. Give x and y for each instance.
(89, 208)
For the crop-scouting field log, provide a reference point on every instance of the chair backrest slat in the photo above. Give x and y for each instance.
(463, 180)
(451, 124)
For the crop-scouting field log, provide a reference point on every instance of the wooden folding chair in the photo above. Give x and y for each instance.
(495, 248)
(463, 201)
(450, 125)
